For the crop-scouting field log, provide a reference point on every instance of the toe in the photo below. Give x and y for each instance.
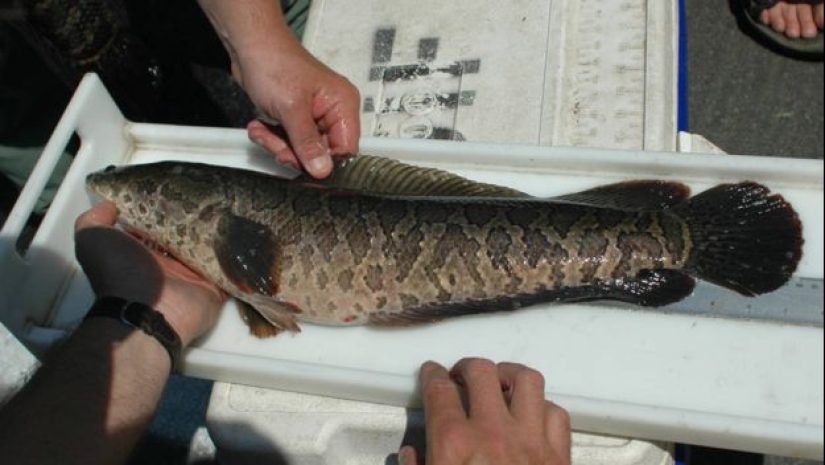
(765, 16)
(807, 26)
(777, 17)
(793, 28)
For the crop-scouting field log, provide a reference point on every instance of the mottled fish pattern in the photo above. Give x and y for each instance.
(388, 244)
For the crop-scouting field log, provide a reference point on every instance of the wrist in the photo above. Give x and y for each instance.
(141, 317)
(253, 29)
(111, 338)
(273, 51)
(179, 315)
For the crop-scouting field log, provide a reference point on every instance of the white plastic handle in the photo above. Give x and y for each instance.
(92, 115)
(42, 172)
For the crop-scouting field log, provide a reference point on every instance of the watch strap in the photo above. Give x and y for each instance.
(140, 316)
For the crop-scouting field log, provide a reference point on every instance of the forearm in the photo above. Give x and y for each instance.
(249, 26)
(90, 402)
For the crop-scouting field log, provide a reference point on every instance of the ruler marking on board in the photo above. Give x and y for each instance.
(606, 107)
(798, 303)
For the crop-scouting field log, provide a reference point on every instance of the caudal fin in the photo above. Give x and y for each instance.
(743, 238)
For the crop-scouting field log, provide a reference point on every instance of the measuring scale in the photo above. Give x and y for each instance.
(587, 73)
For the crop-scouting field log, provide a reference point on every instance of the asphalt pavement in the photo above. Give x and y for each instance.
(744, 97)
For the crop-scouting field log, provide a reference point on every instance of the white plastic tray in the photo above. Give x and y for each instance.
(681, 378)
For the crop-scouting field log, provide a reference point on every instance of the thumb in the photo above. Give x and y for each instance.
(311, 149)
(103, 214)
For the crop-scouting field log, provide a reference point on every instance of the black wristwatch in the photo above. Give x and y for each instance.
(140, 316)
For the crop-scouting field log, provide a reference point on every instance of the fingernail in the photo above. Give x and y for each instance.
(428, 366)
(320, 165)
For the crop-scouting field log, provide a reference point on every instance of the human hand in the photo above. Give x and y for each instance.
(318, 108)
(506, 419)
(119, 265)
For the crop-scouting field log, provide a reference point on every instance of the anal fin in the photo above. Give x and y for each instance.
(653, 288)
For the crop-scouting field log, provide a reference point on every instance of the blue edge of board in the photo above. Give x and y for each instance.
(683, 109)
(682, 456)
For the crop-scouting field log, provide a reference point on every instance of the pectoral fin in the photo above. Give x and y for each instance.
(249, 254)
(380, 175)
(632, 196)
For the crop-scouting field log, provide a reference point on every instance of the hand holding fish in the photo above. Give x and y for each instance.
(96, 394)
(318, 108)
(118, 265)
(506, 418)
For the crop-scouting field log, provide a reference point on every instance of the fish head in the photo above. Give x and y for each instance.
(108, 184)
(155, 195)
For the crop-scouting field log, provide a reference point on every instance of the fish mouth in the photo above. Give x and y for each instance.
(95, 183)
(93, 186)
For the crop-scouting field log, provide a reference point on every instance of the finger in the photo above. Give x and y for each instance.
(557, 427)
(273, 143)
(526, 392)
(307, 142)
(481, 380)
(408, 456)
(344, 137)
(442, 400)
(343, 123)
(102, 214)
(819, 16)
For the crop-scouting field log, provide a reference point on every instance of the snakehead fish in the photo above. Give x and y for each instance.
(389, 244)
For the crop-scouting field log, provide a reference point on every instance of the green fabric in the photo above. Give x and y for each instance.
(17, 164)
(31, 102)
(296, 13)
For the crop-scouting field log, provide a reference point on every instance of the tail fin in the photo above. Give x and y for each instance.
(743, 238)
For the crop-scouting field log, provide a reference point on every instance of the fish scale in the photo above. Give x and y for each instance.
(447, 269)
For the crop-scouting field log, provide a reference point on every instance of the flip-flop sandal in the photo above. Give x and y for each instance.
(809, 48)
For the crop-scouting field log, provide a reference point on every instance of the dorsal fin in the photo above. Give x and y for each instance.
(380, 175)
(632, 196)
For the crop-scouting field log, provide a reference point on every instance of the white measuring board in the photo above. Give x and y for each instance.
(587, 73)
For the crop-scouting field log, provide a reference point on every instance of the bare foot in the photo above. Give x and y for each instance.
(799, 20)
